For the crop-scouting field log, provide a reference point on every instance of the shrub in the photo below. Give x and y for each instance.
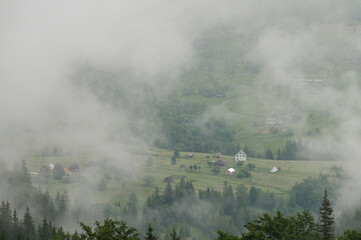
(58, 171)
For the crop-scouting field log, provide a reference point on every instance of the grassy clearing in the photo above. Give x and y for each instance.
(119, 189)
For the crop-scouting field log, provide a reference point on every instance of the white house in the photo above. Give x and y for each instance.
(240, 156)
(273, 170)
(231, 172)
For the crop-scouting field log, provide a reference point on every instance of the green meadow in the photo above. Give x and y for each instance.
(119, 186)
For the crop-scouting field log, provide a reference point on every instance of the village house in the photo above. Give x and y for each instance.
(240, 156)
(271, 121)
(67, 172)
(220, 162)
(168, 179)
(34, 174)
(273, 170)
(217, 155)
(231, 172)
(74, 167)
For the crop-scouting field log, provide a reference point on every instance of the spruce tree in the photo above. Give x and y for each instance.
(326, 219)
(168, 195)
(173, 235)
(28, 224)
(149, 234)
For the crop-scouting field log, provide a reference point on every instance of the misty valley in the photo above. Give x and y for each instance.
(183, 120)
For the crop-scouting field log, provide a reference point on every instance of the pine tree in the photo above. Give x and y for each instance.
(15, 229)
(173, 160)
(44, 233)
(326, 219)
(149, 234)
(279, 155)
(132, 205)
(28, 224)
(173, 235)
(5, 218)
(168, 195)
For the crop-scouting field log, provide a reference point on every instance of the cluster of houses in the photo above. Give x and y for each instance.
(220, 162)
(240, 156)
(269, 122)
(46, 170)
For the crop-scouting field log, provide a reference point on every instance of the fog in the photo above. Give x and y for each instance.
(49, 50)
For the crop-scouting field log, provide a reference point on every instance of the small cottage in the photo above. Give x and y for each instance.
(217, 155)
(168, 179)
(273, 170)
(231, 172)
(67, 172)
(220, 162)
(34, 174)
(240, 156)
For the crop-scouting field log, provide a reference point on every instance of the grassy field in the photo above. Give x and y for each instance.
(118, 188)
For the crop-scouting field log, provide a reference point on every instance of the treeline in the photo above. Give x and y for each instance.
(180, 124)
(185, 132)
(299, 226)
(21, 192)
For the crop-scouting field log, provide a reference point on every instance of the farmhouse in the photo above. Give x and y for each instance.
(67, 172)
(189, 155)
(231, 172)
(168, 179)
(271, 121)
(240, 156)
(220, 162)
(34, 174)
(273, 170)
(217, 155)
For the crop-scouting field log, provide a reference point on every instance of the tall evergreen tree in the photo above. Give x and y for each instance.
(15, 229)
(168, 195)
(326, 219)
(5, 218)
(149, 234)
(173, 235)
(132, 205)
(28, 224)
(44, 233)
(279, 155)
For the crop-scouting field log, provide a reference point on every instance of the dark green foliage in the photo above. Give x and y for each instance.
(168, 195)
(132, 205)
(149, 162)
(173, 160)
(226, 236)
(109, 230)
(28, 224)
(308, 193)
(350, 235)
(243, 173)
(176, 153)
(301, 226)
(326, 219)
(149, 234)
(173, 235)
(251, 166)
(269, 154)
(253, 195)
(216, 170)
(5, 218)
(184, 134)
(20, 176)
(239, 163)
(148, 180)
(58, 171)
